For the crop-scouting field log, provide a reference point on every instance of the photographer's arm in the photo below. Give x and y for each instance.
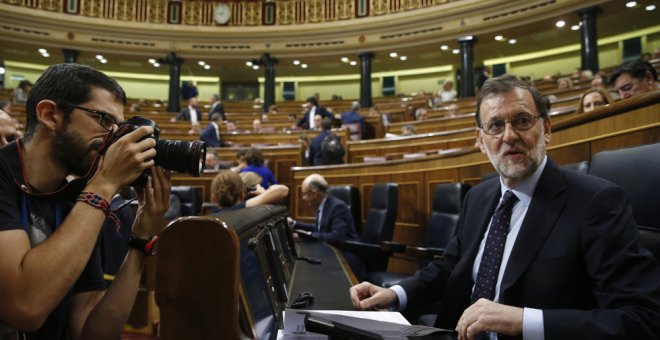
(96, 316)
(34, 280)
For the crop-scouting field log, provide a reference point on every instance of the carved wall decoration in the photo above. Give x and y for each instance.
(269, 13)
(71, 6)
(285, 13)
(410, 4)
(174, 14)
(156, 11)
(330, 10)
(380, 7)
(252, 13)
(361, 8)
(50, 5)
(315, 11)
(344, 9)
(91, 8)
(141, 10)
(300, 11)
(190, 13)
(125, 10)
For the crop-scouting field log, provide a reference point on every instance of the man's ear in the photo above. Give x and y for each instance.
(46, 114)
(480, 141)
(547, 130)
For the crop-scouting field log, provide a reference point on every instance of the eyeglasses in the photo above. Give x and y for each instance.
(106, 120)
(520, 123)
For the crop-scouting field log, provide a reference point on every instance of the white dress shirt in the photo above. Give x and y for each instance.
(312, 113)
(193, 114)
(532, 318)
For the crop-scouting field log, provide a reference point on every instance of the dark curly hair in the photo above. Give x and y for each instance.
(227, 188)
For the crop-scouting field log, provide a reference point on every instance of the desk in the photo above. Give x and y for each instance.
(328, 281)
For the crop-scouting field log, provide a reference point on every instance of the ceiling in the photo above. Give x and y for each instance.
(613, 19)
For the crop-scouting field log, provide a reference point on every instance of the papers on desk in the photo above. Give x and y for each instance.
(294, 322)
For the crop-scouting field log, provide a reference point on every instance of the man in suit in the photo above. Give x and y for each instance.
(211, 133)
(313, 109)
(353, 116)
(315, 152)
(190, 113)
(483, 76)
(569, 264)
(334, 223)
(217, 106)
(633, 78)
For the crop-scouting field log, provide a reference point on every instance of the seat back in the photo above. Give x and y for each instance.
(351, 196)
(442, 225)
(354, 131)
(579, 167)
(637, 171)
(190, 197)
(650, 238)
(381, 217)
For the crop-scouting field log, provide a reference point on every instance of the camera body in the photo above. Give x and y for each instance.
(175, 155)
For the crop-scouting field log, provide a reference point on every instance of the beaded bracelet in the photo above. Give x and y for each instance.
(100, 203)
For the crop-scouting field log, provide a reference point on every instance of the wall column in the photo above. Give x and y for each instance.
(70, 56)
(467, 67)
(269, 84)
(589, 39)
(175, 81)
(365, 78)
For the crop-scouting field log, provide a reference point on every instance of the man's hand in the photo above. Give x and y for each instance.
(125, 160)
(367, 296)
(154, 200)
(488, 316)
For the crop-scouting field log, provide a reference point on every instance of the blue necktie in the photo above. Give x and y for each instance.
(491, 260)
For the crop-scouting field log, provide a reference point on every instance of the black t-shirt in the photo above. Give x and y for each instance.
(40, 215)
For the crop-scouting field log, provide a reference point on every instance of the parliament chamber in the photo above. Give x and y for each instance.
(232, 274)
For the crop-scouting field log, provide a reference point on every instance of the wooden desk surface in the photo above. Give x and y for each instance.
(328, 281)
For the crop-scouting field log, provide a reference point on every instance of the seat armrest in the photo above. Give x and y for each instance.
(422, 253)
(394, 247)
(358, 247)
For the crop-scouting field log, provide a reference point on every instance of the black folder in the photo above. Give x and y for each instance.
(347, 327)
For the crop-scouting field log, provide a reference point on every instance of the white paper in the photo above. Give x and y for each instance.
(294, 322)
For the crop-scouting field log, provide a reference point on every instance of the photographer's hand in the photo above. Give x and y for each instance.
(123, 162)
(154, 200)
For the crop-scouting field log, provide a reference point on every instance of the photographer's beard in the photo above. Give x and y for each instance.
(71, 151)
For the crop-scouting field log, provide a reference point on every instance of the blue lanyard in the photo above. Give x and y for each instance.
(24, 214)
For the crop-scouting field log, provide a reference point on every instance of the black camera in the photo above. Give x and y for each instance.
(175, 155)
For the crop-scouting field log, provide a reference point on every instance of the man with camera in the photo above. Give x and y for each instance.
(51, 282)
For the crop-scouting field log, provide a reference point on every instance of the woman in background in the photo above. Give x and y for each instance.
(230, 193)
(593, 99)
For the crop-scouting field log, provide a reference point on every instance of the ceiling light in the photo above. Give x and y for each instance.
(353, 62)
(45, 55)
(444, 47)
(156, 65)
(467, 37)
(403, 57)
(303, 65)
(575, 27)
(103, 61)
(99, 57)
(456, 51)
(296, 62)
(499, 38)
(631, 4)
(152, 61)
(42, 50)
(248, 63)
(560, 23)
(650, 7)
(201, 63)
(255, 67)
(512, 41)
(393, 54)
(344, 59)
(207, 66)
(2, 70)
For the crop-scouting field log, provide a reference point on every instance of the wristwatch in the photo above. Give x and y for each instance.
(147, 247)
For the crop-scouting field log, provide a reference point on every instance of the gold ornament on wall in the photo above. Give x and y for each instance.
(345, 9)
(315, 11)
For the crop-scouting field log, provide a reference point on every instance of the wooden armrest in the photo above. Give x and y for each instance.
(422, 253)
(394, 247)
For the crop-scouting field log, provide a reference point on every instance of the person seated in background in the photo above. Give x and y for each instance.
(408, 130)
(353, 116)
(212, 161)
(240, 161)
(633, 78)
(646, 57)
(189, 90)
(255, 162)
(22, 91)
(317, 122)
(586, 75)
(135, 107)
(217, 107)
(8, 130)
(592, 99)
(304, 142)
(5, 106)
(189, 113)
(230, 193)
(384, 116)
(599, 80)
(315, 152)
(421, 114)
(256, 126)
(447, 93)
(272, 110)
(539, 251)
(211, 133)
(452, 110)
(564, 83)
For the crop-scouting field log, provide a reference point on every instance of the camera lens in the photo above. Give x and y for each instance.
(181, 156)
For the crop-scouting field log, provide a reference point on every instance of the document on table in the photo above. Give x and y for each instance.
(294, 322)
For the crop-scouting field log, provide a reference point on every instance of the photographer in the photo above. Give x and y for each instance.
(51, 282)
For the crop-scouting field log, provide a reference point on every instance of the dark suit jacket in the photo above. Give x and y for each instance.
(315, 154)
(210, 136)
(304, 121)
(185, 114)
(220, 108)
(336, 223)
(576, 257)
